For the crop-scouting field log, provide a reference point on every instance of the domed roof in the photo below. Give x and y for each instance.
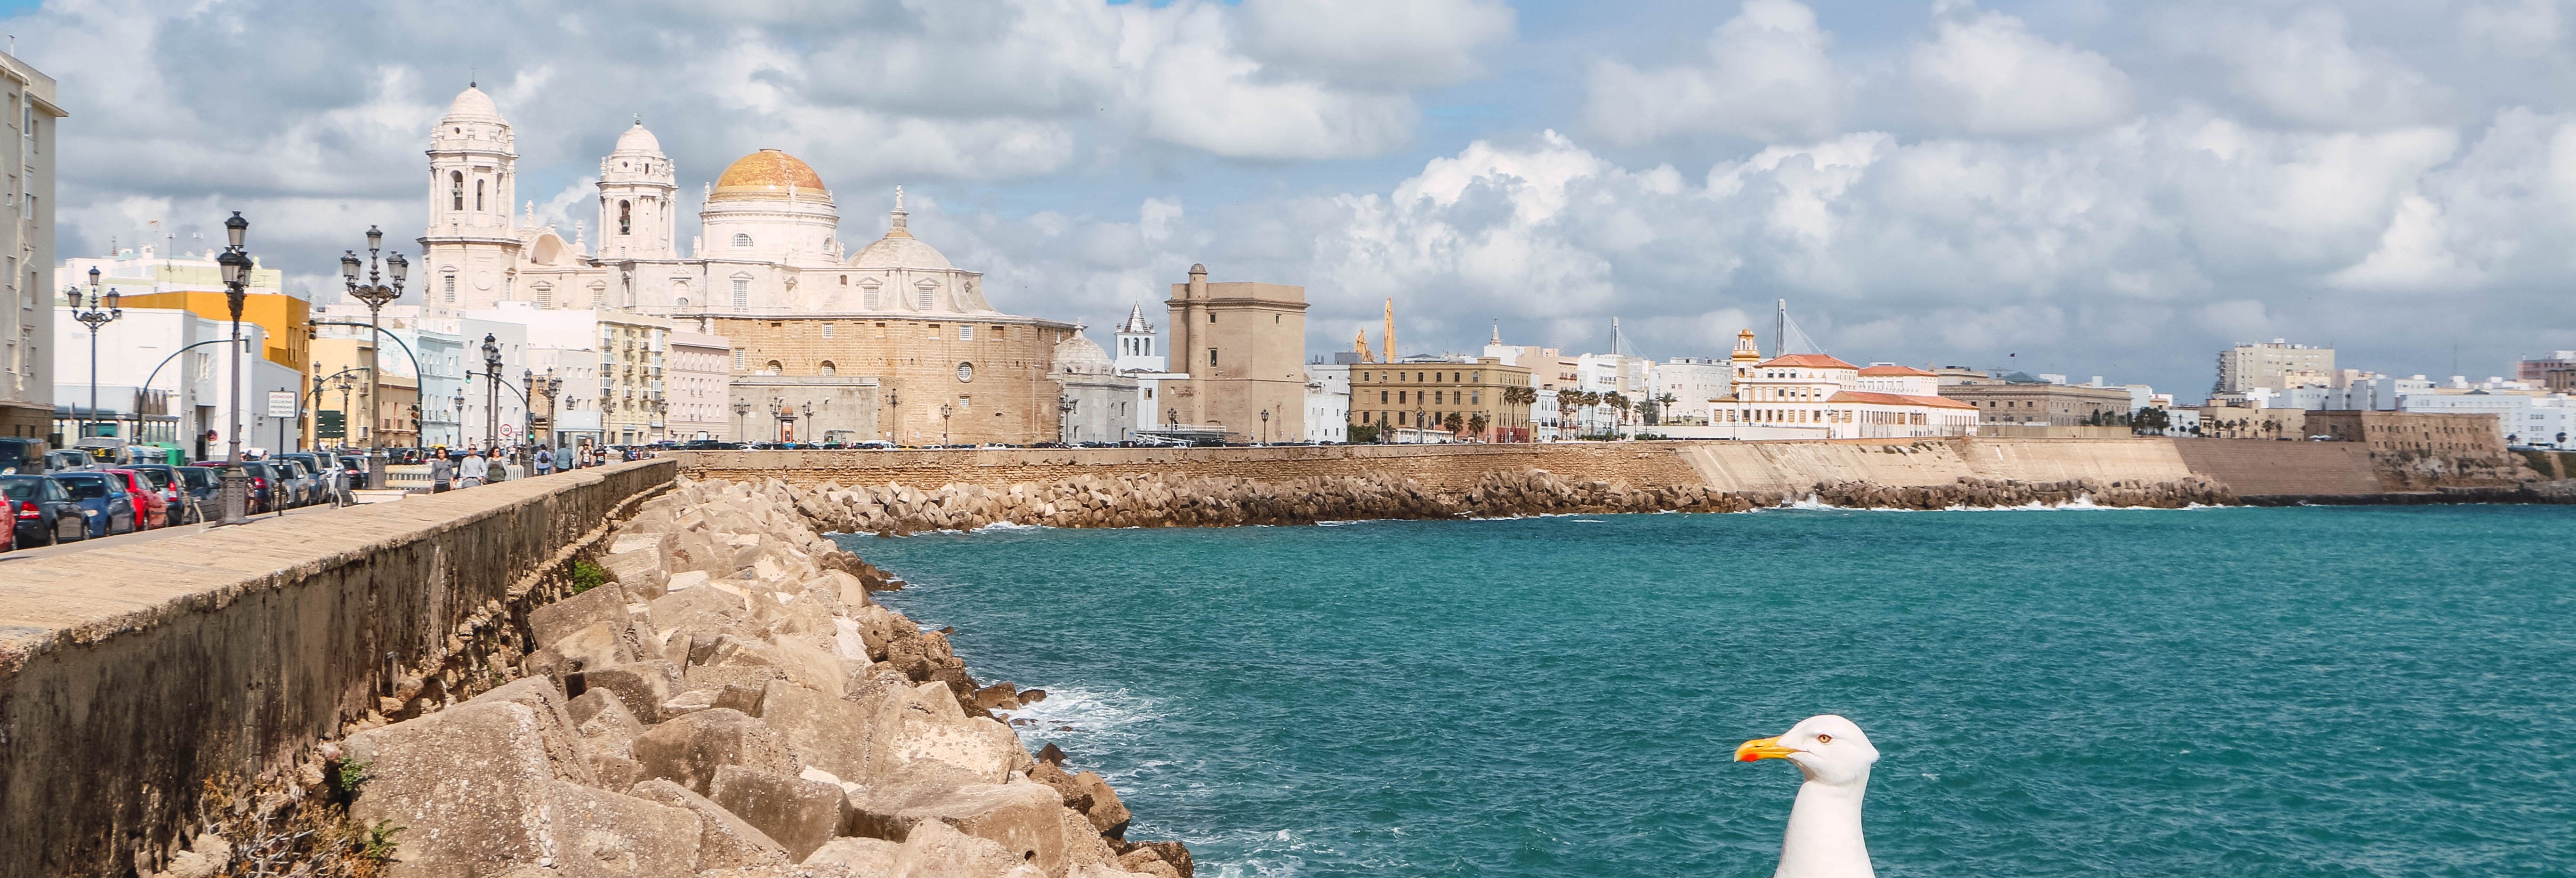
(899, 249)
(472, 103)
(637, 139)
(1078, 354)
(769, 173)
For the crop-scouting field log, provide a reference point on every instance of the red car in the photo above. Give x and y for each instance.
(152, 511)
(9, 535)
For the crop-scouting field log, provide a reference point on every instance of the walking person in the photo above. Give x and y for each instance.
(441, 472)
(474, 469)
(545, 460)
(586, 461)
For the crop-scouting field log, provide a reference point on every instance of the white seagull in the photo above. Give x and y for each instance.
(1824, 838)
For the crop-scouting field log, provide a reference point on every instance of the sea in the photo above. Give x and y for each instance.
(2353, 691)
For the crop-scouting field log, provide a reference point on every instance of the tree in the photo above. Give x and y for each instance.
(1453, 423)
(1568, 400)
(1365, 433)
(2151, 421)
(1477, 423)
(1618, 402)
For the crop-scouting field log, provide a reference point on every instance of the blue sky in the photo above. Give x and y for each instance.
(2080, 187)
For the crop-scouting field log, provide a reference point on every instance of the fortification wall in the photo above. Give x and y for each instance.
(132, 675)
(2260, 467)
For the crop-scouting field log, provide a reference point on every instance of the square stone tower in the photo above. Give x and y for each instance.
(1244, 347)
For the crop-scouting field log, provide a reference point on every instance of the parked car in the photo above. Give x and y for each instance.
(43, 512)
(103, 501)
(165, 479)
(200, 493)
(22, 456)
(306, 488)
(314, 474)
(151, 511)
(67, 460)
(263, 488)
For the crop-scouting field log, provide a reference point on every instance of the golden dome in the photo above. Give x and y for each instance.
(770, 173)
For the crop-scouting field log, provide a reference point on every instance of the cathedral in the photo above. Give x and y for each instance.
(894, 326)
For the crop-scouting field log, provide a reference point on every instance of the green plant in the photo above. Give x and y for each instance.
(587, 576)
(379, 843)
(353, 773)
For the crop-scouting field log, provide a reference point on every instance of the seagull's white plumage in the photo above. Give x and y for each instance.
(1824, 839)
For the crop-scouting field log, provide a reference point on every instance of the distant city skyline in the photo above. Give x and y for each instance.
(2068, 187)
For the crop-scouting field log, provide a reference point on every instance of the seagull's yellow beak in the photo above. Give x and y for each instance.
(1761, 748)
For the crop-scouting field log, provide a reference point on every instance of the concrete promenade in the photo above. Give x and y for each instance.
(131, 675)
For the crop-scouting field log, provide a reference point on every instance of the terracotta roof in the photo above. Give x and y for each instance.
(1811, 361)
(1893, 371)
(1899, 399)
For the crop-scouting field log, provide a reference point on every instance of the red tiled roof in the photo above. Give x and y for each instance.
(1811, 361)
(1894, 371)
(1900, 399)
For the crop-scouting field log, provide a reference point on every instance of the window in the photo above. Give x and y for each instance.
(741, 239)
(684, 301)
(478, 195)
(737, 360)
(923, 302)
(449, 283)
(625, 217)
(868, 297)
(1211, 357)
(827, 330)
(456, 192)
(829, 369)
(545, 295)
(965, 333)
(773, 368)
(965, 372)
(741, 294)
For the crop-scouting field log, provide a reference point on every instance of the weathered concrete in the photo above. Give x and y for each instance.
(130, 676)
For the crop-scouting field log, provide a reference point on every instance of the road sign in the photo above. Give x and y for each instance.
(281, 403)
(330, 424)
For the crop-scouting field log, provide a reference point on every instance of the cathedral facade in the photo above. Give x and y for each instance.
(768, 272)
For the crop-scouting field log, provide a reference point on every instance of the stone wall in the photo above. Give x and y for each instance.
(1433, 467)
(132, 676)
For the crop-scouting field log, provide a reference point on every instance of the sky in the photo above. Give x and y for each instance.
(2087, 188)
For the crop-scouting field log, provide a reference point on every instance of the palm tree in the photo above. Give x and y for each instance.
(1453, 423)
(1477, 423)
(1619, 403)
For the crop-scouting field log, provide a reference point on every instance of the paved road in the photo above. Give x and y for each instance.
(145, 536)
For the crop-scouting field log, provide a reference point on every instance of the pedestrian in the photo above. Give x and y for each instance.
(474, 469)
(545, 460)
(440, 472)
(586, 461)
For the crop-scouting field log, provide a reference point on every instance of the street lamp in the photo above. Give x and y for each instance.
(236, 263)
(376, 294)
(741, 424)
(1265, 426)
(456, 415)
(492, 403)
(1064, 420)
(804, 427)
(93, 317)
(943, 423)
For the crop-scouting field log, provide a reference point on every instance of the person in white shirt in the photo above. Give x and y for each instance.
(474, 469)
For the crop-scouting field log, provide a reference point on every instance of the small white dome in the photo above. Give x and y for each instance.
(472, 103)
(637, 139)
(900, 250)
(1077, 354)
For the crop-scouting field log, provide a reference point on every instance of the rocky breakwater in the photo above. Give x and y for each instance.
(1153, 500)
(1988, 493)
(732, 703)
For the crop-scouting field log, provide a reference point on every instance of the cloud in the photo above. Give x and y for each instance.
(1767, 76)
(1986, 73)
(1389, 44)
(2307, 72)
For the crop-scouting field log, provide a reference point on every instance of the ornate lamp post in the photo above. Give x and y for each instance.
(456, 415)
(806, 426)
(376, 294)
(93, 317)
(236, 263)
(1064, 420)
(742, 427)
(492, 391)
(943, 423)
(1265, 426)
(894, 415)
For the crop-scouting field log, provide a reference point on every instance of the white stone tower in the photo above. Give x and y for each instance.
(637, 192)
(472, 240)
(1136, 344)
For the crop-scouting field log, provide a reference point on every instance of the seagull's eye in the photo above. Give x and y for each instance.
(1824, 739)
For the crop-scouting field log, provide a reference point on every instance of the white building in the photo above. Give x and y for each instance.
(1688, 388)
(1100, 404)
(1139, 359)
(700, 370)
(1328, 402)
(493, 415)
(416, 342)
(1814, 396)
(170, 368)
(27, 339)
(1550, 371)
(2522, 418)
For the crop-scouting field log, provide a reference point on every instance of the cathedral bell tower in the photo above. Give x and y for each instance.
(636, 193)
(472, 240)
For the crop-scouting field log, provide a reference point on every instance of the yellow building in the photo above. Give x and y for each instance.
(1421, 394)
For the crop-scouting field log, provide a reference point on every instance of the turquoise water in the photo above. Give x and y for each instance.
(2237, 692)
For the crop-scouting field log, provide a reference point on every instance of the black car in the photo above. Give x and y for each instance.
(201, 493)
(46, 513)
(264, 487)
(22, 457)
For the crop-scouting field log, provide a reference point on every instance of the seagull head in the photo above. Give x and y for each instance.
(1828, 749)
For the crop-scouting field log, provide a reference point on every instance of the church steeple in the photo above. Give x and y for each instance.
(1136, 344)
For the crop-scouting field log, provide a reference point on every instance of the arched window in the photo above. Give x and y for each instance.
(456, 190)
(625, 217)
(478, 195)
(771, 369)
(829, 369)
(741, 239)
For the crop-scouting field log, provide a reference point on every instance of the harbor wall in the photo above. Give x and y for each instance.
(132, 677)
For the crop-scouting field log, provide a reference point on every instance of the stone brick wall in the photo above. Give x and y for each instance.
(132, 675)
(1436, 467)
(1011, 397)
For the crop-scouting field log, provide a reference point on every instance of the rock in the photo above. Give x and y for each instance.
(800, 814)
(605, 605)
(640, 572)
(999, 696)
(599, 645)
(1173, 852)
(935, 729)
(855, 857)
(1021, 816)
(603, 722)
(1108, 816)
(1032, 696)
(643, 686)
(849, 737)
(1146, 861)
(706, 609)
(205, 857)
(684, 580)
(1074, 794)
(474, 791)
(940, 850)
(689, 749)
(725, 839)
(554, 723)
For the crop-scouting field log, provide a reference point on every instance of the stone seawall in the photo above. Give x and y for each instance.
(133, 677)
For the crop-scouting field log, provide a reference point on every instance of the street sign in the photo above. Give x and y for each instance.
(281, 403)
(330, 424)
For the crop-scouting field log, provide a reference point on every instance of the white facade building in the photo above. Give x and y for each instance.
(700, 371)
(1099, 403)
(173, 368)
(1814, 396)
(2522, 418)
(1693, 384)
(27, 339)
(1328, 402)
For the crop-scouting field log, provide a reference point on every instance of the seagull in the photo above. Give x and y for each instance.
(1824, 839)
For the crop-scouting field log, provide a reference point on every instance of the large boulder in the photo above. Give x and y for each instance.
(935, 729)
(799, 813)
(1108, 816)
(688, 749)
(602, 644)
(605, 604)
(849, 737)
(475, 792)
(853, 858)
(724, 840)
(940, 851)
(554, 723)
(1025, 818)
(643, 685)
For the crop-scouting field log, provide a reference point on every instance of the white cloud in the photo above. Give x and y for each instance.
(1767, 76)
(1376, 43)
(2307, 72)
(1986, 73)
(2515, 27)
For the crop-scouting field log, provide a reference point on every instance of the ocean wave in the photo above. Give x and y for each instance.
(1098, 717)
(1011, 526)
(2081, 503)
